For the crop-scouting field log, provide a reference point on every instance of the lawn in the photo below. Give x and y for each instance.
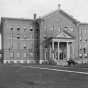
(20, 76)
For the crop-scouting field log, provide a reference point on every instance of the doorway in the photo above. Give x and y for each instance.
(63, 50)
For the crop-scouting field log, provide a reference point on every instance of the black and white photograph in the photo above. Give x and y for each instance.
(43, 44)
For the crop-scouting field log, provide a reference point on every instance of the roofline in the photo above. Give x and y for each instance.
(70, 16)
(65, 13)
(62, 38)
(83, 23)
(46, 15)
(10, 18)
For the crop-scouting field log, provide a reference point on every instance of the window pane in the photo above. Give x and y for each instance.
(18, 54)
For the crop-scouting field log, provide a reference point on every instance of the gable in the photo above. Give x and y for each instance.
(60, 14)
(63, 35)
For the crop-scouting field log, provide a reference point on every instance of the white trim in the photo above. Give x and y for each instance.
(20, 61)
(59, 70)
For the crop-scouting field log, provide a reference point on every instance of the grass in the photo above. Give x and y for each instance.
(18, 76)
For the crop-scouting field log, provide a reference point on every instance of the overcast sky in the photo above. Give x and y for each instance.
(26, 8)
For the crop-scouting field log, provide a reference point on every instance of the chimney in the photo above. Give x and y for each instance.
(35, 16)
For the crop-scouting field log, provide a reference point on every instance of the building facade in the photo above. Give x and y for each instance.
(17, 40)
(83, 40)
(55, 37)
(58, 37)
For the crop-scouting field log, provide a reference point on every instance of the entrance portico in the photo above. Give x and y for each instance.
(63, 49)
(59, 49)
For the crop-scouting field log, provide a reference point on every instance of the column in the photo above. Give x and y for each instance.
(50, 50)
(53, 49)
(45, 51)
(73, 55)
(68, 51)
(58, 51)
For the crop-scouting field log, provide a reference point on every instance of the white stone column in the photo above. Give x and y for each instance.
(68, 51)
(73, 55)
(53, 48)
(50, 51)
(45, 54)
(58, 51)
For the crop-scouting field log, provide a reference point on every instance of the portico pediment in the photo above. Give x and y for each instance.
(63, 35)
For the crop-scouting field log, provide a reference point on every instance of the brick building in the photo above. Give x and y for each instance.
(83, 40)
(56, 36)
(17, 40)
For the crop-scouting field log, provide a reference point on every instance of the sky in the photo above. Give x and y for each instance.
(26, 8)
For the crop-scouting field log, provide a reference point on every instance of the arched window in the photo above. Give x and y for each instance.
(31, 28)
(18, 28)
(11, 28)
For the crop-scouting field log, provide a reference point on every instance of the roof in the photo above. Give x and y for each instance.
(69, 16)
(83, 24)
(65, 14)
(61, 36)
(22, 19)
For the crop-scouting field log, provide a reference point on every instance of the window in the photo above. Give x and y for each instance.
(36, 29)
(18, 37)
(25, 55)
(80, 46)
(80, 32)
(11, 29)
(25, 28)
(80, 55)
(25, 46)
(18, 29)
(11, 54)
(68, 28)
(59, 29)
(18, 54)
(31, 29)
(80, 38)
(85, 31)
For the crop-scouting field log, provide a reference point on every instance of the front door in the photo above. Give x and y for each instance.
(62, 47)
(61, 56)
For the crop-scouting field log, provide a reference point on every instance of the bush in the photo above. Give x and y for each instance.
(71, 62)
